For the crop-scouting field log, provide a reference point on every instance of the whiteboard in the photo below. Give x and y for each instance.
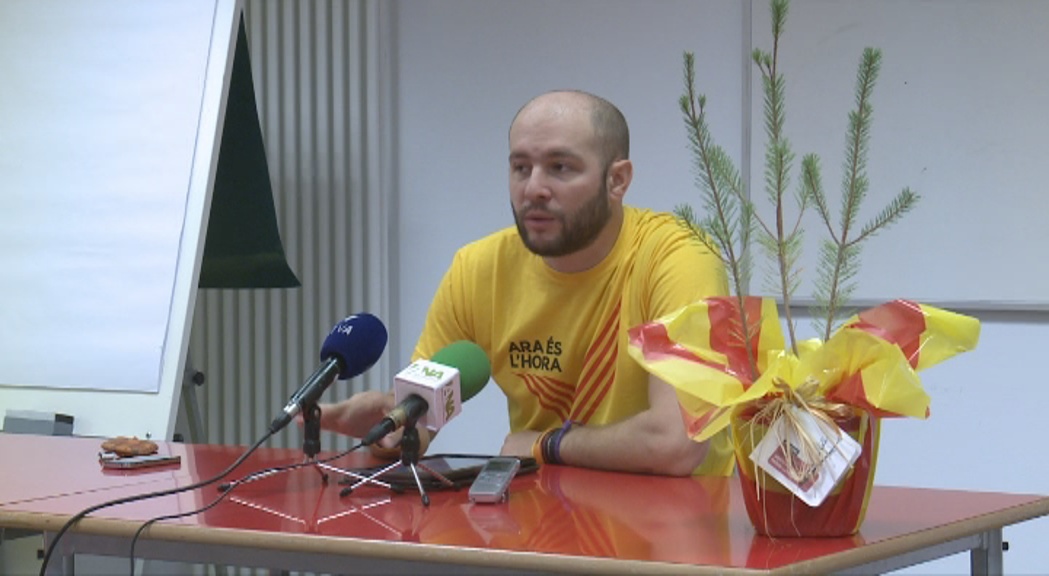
(109, 124)
(959, 117)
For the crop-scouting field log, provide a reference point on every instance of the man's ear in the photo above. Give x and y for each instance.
(620, 173)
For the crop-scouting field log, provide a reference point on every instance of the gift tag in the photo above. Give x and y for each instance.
(810, 474)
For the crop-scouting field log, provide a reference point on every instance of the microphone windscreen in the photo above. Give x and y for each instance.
(358, 342)
(472, 363)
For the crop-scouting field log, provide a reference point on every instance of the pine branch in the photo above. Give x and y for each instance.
(707, 233)
(836, 274)
(783, 246)
(812, 183)
(730, 214)
(835, 264)
(779, 9)
(840, 256)
(731, 222)
(898, 206)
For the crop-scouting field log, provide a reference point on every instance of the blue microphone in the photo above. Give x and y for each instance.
(353, 345)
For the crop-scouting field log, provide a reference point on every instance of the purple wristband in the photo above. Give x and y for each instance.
(555, 449)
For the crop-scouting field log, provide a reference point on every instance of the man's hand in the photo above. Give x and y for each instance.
(356, 415)
(519, 443)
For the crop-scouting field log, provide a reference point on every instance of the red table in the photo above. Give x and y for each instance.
(560, 519)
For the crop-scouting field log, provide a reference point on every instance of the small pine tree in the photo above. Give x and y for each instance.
(732, 224)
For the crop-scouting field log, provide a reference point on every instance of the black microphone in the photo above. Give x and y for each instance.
(353, 345)
(408, 410)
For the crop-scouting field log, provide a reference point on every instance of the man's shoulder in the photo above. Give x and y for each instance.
(498, 246)
(650, 217)
(658, 236)
(647, 223)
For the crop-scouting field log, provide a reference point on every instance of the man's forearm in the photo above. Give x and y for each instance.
(639, 444)
(652, 441)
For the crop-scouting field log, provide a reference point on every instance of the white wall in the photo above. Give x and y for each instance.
(466, 66)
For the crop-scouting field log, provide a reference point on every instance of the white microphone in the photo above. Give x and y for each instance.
(432, 392)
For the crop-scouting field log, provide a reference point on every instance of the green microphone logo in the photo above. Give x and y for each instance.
(449, 403)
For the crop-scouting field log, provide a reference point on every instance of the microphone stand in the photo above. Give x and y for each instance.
(311, 446)
(311, 439)
(409, 459)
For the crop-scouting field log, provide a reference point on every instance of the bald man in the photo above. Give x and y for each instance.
(550, 301)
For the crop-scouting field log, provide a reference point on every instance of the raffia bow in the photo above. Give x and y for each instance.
(802, 464)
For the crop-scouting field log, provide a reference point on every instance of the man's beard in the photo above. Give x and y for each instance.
(577, 232)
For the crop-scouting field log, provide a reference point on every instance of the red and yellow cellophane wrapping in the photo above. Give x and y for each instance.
(869, 364)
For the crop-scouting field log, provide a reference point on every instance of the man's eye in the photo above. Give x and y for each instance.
(560, 168)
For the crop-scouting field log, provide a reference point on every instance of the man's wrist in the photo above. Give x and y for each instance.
(558, 438)
(547, 448)
(539, 446)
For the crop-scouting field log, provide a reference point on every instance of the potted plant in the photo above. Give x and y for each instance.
(804, 415)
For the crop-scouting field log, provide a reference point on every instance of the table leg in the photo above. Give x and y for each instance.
(62, 561)
(986, 560)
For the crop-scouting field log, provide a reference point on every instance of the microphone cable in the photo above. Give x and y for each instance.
(226, 489)
(145, 496)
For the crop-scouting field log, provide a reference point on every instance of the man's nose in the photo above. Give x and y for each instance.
(537, 186)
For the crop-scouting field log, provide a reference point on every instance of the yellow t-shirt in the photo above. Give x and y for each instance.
(557, 342)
